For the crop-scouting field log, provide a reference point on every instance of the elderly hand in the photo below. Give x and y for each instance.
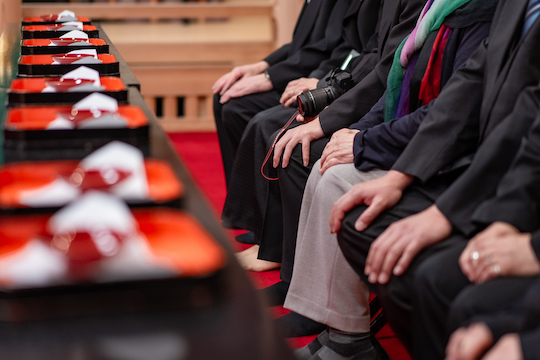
(246, 86)
(339, 149)
(225, 82)
(396, 247)
(468, 343)
(379, 194)
(303, 134)
(295, 88)
(499, 250)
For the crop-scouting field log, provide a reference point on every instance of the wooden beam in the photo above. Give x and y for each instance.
(152, 10)
(224, 53)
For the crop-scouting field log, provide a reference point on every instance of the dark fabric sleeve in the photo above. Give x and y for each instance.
(535, 243)
(502, 324)
(310, 57)
(278, 55)
(355, 103)
(517, 197)
(384, 143)
(530, 344)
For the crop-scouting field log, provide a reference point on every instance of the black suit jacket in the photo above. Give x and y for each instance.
(317, 34)
(359, 26)
(517, 200)
(397, 19)
(476, 120)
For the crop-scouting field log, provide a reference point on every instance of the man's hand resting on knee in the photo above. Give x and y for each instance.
(378, 195)
(303, 134)
(393, 251)
(295, 88)
(225, 82)
(246, 86)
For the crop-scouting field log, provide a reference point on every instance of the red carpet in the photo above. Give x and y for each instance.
(201, 154)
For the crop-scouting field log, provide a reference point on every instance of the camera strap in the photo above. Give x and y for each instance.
(271, 150)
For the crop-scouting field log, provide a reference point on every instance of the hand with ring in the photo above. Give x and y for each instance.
(499, 250)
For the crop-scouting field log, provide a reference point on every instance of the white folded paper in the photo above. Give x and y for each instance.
(82, 72)
(115, 155)
(66, 15)
(75, 34)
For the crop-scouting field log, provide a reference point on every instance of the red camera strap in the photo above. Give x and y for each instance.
(274, 145)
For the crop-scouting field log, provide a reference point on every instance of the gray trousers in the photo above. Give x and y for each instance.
(324, 287)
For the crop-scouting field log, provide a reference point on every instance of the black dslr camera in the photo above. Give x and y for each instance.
(310, 103)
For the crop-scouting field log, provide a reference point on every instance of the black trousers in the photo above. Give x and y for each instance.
(292, 182)
(269, 208)
(232, 118)
(397, 294)
(248, 191)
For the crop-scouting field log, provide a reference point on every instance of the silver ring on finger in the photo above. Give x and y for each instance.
(489, 259)
(497, 269)
(475, 255)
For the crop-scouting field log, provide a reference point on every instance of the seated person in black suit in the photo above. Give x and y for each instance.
(317, 47)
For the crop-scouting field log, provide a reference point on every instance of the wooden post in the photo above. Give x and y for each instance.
(286, 14)
(10, 12)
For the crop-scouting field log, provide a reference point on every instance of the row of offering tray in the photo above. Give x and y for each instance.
(90, 224)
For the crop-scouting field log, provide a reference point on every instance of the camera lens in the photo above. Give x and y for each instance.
(311, 103)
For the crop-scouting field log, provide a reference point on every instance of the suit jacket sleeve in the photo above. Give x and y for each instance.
(310, 57)
(356, 102)
(530, 344)
(278, 55)
(517, 199)
(490, 163)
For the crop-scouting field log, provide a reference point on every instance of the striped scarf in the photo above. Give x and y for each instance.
(431, 19)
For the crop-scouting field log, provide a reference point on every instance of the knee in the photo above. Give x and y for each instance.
(229, 111)
(353, 244)
(335, 178)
